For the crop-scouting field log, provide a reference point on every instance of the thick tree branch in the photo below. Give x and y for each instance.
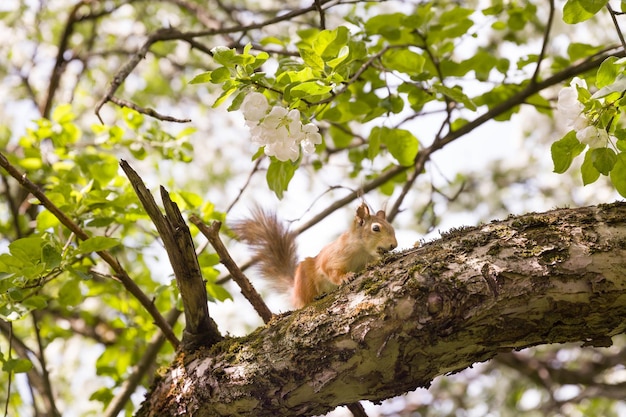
(540, 278)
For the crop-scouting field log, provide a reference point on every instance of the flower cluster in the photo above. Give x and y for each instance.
(278, 129)
(571, 109)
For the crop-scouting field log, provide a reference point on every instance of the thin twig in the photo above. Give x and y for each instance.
(617, 28)
(146, 110)
(248, 291)
(59, 65)
(120, 274)
(47, 394)
(320, 10)
(246, 184)
(544, 46)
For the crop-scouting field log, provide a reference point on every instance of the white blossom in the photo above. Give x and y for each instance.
(278, 129)
(594, 137)
(283, 150)
(254, 107)
(570, 108)
(311, 137)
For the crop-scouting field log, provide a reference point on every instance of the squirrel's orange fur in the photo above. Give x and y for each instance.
(275, 249)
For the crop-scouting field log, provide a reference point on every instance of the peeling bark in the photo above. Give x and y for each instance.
(539, 278)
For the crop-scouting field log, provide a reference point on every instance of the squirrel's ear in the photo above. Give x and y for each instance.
(362, 214)
(381, 214)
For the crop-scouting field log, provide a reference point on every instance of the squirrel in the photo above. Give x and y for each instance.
(274, 247)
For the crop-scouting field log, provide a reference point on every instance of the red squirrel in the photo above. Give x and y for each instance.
(274, 247)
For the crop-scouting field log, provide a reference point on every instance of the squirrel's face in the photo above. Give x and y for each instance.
(383, 237)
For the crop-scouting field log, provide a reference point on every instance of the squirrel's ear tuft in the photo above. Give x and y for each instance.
(381, 214)
(362, 214)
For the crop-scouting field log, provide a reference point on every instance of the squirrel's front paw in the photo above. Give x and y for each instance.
(350, 276)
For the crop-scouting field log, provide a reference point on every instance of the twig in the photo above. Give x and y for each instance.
(247, 183)
(544, 46)
(13, 208)
(200, 329)
(10, 338)
(47, 393)
(375, 183)
(124, 72)
(357, 410)
(320, 10)
(617, 28)
(248, 291)
(120, 274)
(146, 110)
(140, 369)
(59, 65)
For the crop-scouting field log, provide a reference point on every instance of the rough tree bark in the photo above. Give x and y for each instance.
(539, 278)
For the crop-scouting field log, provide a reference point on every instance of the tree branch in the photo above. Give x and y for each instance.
(106, 256)
(200, 329)
(248, 291)
(559, 276)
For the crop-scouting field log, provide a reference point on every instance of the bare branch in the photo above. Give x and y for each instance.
(200, 329)
(48, 394)
(147, 111)
(544, 46)
(248, 291)
(617, 28)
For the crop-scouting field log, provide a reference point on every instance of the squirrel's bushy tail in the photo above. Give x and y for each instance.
(273, 245)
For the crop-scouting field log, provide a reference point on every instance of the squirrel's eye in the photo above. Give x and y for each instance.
(375, 227)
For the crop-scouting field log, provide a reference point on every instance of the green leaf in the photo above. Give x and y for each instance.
(589, 173)
(27, 249)
(133, 118)
(203, 78)
(618, 174)
(228, 89)
(36, 302)
(341, 139)
(405, 61)
(17, 365)
(70, 293)
(63, 114)
(386, 25)
(218, 292)
(456, 94)
(46, 220)
(51, 256)
(402, 144)
(97, 244)
(603, 159)
(312, 59)
(577, 51)
(308, 89)
(279, 174)
(564, 151)
(607, 73)
(220, 75)
(576, 11)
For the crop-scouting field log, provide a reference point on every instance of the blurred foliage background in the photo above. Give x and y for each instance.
(442, 110)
